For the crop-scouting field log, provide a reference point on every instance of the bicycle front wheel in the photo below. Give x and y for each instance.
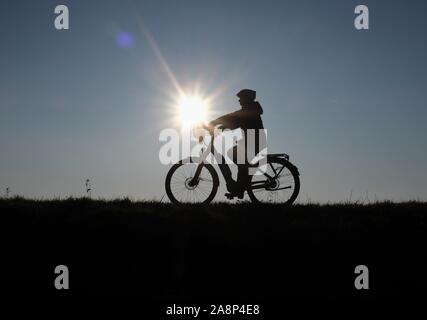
(179, 188)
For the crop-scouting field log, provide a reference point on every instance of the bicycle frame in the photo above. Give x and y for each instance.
(224, 168)
(226, 171)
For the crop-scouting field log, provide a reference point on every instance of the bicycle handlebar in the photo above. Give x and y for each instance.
(209, 129)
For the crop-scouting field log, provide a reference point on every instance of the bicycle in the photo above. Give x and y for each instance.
(197, 182)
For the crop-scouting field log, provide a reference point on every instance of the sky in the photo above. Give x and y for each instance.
(347, 105)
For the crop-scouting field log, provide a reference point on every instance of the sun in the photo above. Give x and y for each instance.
(192, 110)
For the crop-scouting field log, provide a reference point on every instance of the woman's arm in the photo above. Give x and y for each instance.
(228, 121)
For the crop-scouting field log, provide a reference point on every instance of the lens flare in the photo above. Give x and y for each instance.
(125, 39)
(192, 110)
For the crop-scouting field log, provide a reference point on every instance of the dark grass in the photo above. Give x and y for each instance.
(234, 252)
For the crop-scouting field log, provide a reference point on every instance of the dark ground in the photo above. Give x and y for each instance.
(231, 253)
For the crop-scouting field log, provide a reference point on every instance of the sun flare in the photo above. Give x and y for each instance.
(192, 110)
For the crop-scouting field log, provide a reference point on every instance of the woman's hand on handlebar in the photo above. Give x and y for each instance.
(209, 128)
(200, 131)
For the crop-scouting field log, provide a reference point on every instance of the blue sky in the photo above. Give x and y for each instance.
(348, 106)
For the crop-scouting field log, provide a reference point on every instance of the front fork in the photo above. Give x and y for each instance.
(225, 169)
(195, 180)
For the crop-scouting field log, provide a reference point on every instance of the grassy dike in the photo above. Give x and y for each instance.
(233, 252)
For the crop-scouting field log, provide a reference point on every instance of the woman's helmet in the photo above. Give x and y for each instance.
(247, 94)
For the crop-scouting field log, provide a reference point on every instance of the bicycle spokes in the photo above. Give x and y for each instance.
(186, 188)
(277, 184)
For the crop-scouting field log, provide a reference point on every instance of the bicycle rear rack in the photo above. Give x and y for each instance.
(278, 155)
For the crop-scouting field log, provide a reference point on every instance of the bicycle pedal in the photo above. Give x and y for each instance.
(230, 196)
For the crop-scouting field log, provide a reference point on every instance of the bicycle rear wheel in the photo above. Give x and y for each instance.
(179, 189)
(281, 183)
